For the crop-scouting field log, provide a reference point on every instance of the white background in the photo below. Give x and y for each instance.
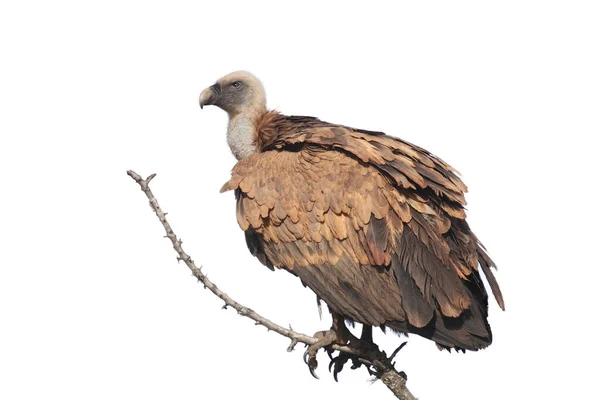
(93, 304)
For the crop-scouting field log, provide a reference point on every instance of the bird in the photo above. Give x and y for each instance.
(375, 226)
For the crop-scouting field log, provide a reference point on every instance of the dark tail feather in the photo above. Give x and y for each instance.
(486, 264)
(469, 331)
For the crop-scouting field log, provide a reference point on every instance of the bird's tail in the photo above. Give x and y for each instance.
(469, 331)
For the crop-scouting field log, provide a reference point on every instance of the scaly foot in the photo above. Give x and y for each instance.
(324, 340)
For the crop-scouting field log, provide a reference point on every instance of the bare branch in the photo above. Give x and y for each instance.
(382, 365)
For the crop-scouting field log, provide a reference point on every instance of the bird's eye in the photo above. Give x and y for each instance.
(236, 85)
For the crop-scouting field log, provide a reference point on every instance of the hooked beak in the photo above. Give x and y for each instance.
(210, 95)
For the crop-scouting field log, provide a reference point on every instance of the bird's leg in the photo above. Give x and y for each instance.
(367, 333)
(365, 343)
(338, 334)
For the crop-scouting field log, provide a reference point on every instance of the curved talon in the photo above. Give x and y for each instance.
(331, 363)
(324, 339)
(305, 357)
(338, 364)
(310, 359)
(396, 352)
(335, 373)
(334, 361)
(313, 373)
(330, 354)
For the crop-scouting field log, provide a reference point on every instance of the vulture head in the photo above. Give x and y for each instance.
(238, 92)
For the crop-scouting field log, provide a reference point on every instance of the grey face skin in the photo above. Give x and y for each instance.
(228, 98)
(238, 92)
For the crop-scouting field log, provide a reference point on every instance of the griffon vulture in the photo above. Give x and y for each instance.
(374, 225)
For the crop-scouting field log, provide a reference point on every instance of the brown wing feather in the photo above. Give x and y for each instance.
(374, 225)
